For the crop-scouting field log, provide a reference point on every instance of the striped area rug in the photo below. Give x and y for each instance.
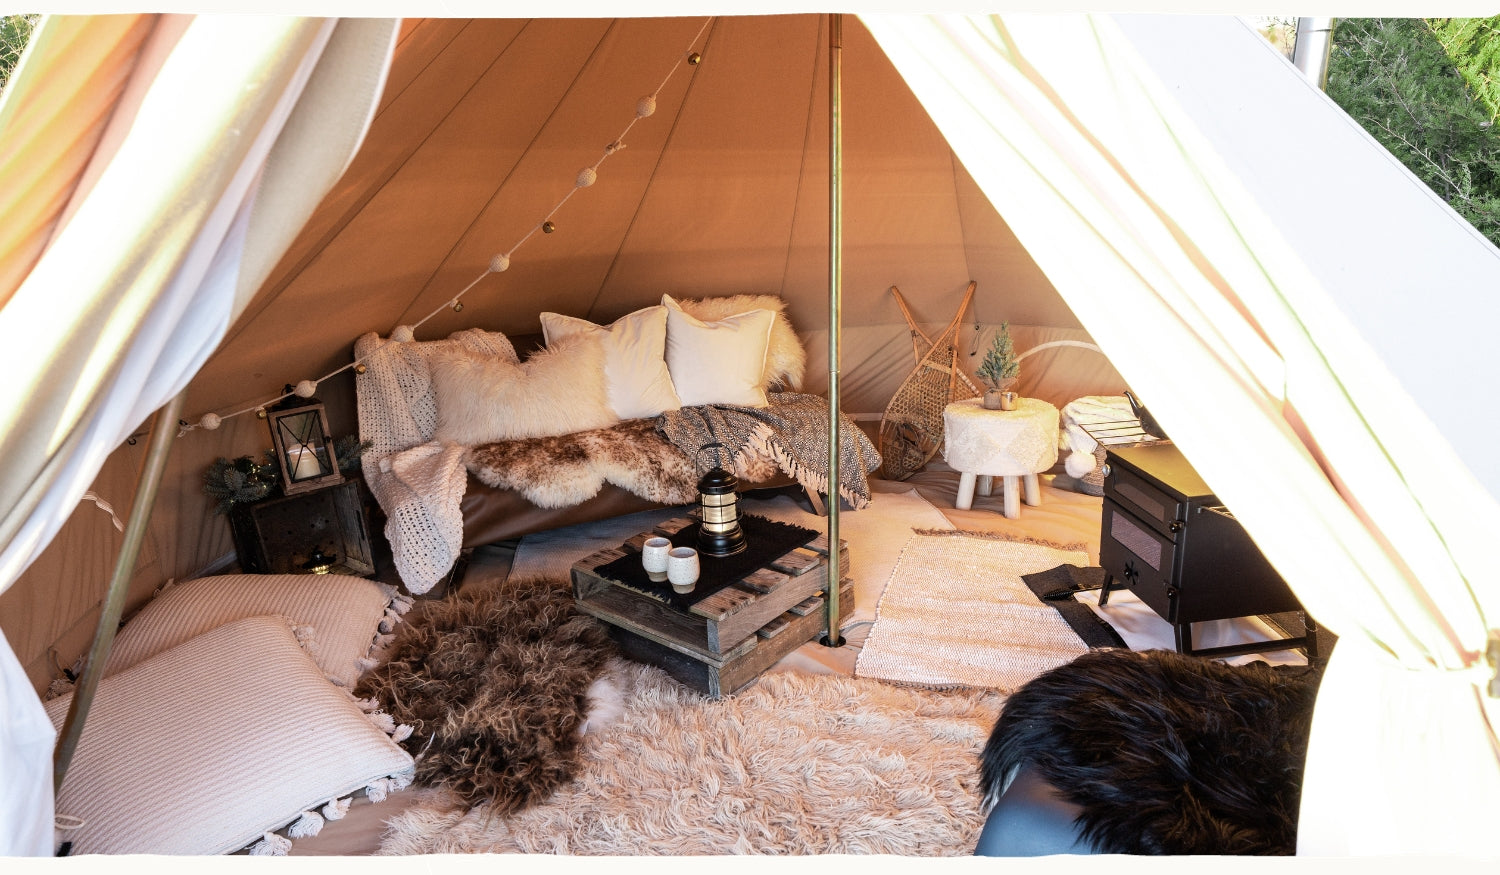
(957, 613)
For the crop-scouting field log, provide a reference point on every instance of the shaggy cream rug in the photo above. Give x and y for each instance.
(795, 764)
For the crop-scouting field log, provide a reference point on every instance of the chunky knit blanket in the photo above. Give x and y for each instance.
(793, 430)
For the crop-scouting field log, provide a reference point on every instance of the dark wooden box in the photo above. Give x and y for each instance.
(278, 535)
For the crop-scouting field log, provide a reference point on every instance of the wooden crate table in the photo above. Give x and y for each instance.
(719, 638)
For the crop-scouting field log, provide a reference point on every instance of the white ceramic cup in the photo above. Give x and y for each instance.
(682, 568)
(654, 558)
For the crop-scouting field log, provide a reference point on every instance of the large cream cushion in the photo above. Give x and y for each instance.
(635, 367)
(344, 614)
(207, 746)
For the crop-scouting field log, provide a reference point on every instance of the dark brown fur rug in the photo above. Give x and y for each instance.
(494, 682)
(1165, 753)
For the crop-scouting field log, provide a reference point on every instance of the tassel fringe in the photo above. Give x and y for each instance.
(336, 809)
(309, 824)
(402, 733)
(377, 789)
(386, 722)
(401, 781)
(271, 845)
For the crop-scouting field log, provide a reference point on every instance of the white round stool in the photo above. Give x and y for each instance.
(1014, 444)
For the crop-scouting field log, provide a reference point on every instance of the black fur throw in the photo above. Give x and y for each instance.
(1165, 753)
(494, 683)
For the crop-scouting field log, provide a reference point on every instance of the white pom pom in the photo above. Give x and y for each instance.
(309, 824)
(305, 389)
(402, 733)
(499, 263)
(1078, 464)
(272, 845)
(210, 421)
(403, 334)
(586, 177)
(336, 809)
(645, 106)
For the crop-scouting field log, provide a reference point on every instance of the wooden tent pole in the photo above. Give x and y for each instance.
(162, 433)
(835, 276)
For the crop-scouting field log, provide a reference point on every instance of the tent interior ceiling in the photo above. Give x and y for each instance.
(481, 130)
(485, 124)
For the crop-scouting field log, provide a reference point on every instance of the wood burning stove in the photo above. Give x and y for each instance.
(1170, 541)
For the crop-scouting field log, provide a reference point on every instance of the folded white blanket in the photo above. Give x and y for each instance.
(1077, 445)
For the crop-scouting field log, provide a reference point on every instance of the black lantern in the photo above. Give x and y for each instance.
(304, 450)
(719, 532)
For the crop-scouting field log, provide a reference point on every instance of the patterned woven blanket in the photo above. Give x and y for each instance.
(793, 431)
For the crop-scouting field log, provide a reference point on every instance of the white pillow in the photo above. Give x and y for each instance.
(720, 362)
(345, 614)
(635, 366)
(786, 359)
(205, 747)
(557, 390)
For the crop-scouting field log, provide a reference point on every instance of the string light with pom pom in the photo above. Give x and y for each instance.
(645, 107)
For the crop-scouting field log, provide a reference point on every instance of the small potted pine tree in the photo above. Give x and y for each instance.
(999, 371)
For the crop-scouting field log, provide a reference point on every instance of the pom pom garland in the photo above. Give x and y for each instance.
(306, 389)
(586, 177)
(645, 106)
(499, 263)
(210, 421)
(403, 334)
(548, 227)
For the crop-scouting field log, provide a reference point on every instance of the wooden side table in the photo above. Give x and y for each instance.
(1014, 444)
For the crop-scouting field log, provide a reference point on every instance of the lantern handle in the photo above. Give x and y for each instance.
(718, 444)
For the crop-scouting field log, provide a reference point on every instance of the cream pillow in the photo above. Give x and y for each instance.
(786, 359)
(207, 746)
(557, 390)
(344, 614)
(719, 362)
(635, 367)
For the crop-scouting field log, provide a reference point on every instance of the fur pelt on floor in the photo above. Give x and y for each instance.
(793, 764)
(496, 683)
(1165, 753)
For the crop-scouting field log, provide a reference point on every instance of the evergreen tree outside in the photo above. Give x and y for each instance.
(15, 33)
(1395, 76)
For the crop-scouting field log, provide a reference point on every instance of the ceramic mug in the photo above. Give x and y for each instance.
(682, 568)
(654, 558)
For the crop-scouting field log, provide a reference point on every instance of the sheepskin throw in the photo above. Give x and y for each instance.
(1165, 753)
(495, 684)
(793, 430)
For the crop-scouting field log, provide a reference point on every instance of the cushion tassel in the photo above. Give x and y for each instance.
(386, 722)
(402, 733)
(367, 705)
(272, 845)
(377, 789)
(401, 780)
(309, 824)
(401, 604)
(383, 641)
(365, 663)
(336, 809)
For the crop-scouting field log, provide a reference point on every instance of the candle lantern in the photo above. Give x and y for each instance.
(719, 532)
(303, 447)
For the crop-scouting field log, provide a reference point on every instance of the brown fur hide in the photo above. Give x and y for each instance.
(494, 683)
(569, 469)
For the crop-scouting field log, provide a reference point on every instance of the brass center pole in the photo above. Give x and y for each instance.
(162, 433)
(835, 315)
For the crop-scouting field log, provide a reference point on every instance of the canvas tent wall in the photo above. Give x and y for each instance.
(1126, 170)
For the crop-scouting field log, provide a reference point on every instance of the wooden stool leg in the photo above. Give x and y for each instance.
(986, 484)
(965, 491)
(1033, 490)
(1012, 497)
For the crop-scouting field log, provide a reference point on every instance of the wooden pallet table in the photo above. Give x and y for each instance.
(721, 642)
